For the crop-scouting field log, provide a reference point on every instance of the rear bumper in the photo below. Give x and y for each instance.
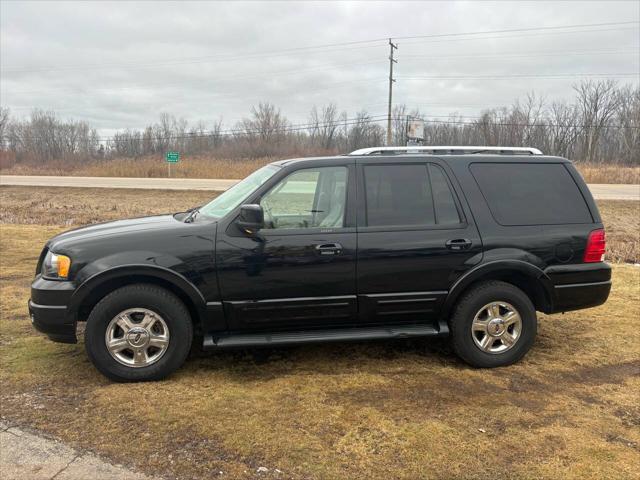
(580, 295)
(48, 309)
(579, 286)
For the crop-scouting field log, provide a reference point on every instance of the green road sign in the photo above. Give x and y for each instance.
(173, 157)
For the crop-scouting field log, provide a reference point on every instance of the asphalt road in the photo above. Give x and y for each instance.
(118, 182)
(600, 191)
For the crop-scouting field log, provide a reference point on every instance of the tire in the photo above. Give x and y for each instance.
(149, 329)
(484, 333)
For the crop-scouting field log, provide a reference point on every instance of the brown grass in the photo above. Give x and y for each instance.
(210, 167)
(597, 173)
(374, 410)
(82, 206)
(622, 224)
(192, 167)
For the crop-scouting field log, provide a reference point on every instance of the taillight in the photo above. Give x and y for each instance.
(594, 251)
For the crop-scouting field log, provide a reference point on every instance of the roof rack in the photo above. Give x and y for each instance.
(448, 150)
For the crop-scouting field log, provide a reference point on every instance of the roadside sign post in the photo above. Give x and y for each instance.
(415, 131)
(171, 157)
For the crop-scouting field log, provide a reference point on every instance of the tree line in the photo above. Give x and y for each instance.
(600, 124)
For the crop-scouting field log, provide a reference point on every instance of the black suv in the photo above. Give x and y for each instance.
(382, 243)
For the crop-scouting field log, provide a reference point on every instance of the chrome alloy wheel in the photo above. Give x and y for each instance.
(496, 327)
(137, 337)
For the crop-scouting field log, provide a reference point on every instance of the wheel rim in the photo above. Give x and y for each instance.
(137, 337)
(496, 327)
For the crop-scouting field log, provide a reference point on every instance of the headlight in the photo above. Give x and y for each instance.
(56, 266)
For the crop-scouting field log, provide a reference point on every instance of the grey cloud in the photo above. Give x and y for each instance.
(101, 51)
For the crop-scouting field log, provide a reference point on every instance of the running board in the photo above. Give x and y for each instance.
(320, 336)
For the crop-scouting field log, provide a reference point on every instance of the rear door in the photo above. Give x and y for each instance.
(415, 238)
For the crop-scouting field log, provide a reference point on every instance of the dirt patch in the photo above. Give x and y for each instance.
(629, 415)
(603, 374)
(612, 437)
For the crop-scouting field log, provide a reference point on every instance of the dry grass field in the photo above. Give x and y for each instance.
(192, 167)
(207, 167)
(405, 409)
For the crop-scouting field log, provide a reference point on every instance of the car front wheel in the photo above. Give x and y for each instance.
(493, 324)
(137, 333)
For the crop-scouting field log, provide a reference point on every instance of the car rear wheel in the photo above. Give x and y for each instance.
(493, 324)
(137, 333)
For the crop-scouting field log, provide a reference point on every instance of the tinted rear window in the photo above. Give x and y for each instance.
(531, 193)
(398, 195)
(408, 195)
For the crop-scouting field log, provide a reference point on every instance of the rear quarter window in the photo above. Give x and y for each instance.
(531, 193)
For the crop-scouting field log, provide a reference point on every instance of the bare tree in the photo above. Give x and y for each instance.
(264, 132)
(4, 121)
(364, 132)
(601, 124)
(628, 121)
(324, 126)
(562, 132)
(598, 102)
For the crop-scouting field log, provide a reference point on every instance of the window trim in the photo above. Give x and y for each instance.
(362, 201)
(346, 224)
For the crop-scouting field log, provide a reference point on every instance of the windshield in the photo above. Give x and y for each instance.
(224, 203)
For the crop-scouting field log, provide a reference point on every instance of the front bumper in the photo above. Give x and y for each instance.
(49, 312)
(579, 286)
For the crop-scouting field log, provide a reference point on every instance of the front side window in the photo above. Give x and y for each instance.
(224, 203)
(408, 195)
(309, 198)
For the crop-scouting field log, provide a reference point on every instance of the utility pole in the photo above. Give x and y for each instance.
(392, 47)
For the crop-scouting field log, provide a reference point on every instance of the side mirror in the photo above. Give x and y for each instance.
(251, 219)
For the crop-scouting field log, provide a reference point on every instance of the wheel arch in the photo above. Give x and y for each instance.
(527, 277)
(95, 288)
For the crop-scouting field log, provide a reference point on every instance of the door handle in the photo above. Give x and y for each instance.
(329, 249)
(458, 244)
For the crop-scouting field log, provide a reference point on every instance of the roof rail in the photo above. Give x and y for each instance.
(448, 150)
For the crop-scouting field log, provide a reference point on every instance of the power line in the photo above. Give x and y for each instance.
(528, 54)
(244, 131)
(306, 49)
(509, 124)
(512, 30)
(215, 94)
(349, 82)
(520, 35)
(526, 75)
(343, 123)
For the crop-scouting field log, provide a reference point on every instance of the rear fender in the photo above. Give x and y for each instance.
(532, 275)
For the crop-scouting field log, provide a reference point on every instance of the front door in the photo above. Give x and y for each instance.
(414, 240)
(299, 271)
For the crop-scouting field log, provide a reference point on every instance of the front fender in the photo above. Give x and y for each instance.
(92, 286)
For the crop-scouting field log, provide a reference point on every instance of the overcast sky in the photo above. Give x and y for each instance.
(119, 64)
